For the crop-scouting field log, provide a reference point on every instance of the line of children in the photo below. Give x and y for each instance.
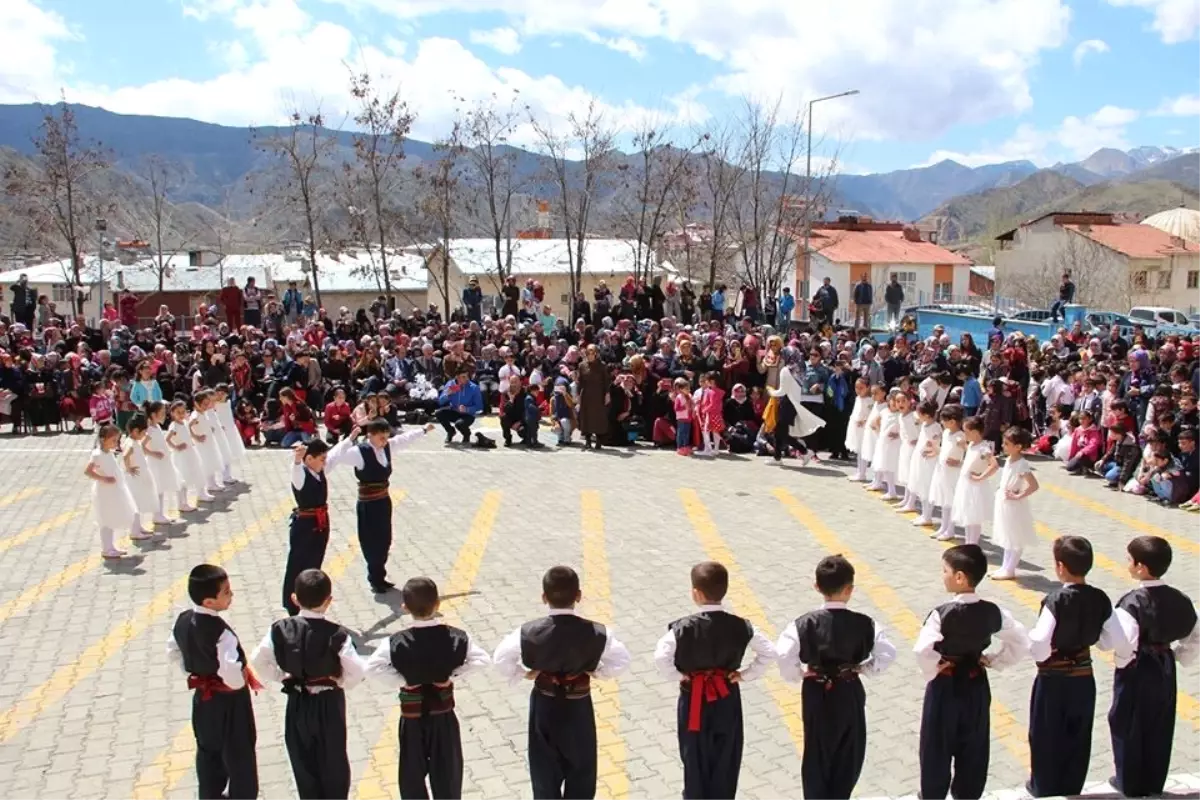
(972, 502)
(924, 462)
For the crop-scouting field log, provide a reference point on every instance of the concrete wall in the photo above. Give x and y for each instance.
(958, 324)
(844, 276)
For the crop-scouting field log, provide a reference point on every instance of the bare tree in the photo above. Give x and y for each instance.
(719, 181)
(57, 193)
(165, 234)
(1102, 279)
(435, 223)
(492, 162)
(577, 183)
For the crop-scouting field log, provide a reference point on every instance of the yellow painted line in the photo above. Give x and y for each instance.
(171, 765)
(597, 595)
(742, 598)
(380, 780)
(1005, 725)
(24, 494)
(41, 528)
(16, 718)
(1140, 525)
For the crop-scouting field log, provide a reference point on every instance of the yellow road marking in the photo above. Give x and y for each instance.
(172, 764)
(8, 500)
(1188, 545)
(741, 596)
(42, 527)
(14, 719)
(380, 778)
(597, 594)
(1004, 724)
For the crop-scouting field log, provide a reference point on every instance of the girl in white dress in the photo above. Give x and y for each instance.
(972, 503)
(138, 476)
(950, 457)
(910, 430)
(887, 447)
(237, 448)
(1062, 448)
(112, 504)
(871, 433)
(158, 456)
(1012, 521)
(205, 444)
(185, 457)
(924, 461)
(217, 434)
(857, 428)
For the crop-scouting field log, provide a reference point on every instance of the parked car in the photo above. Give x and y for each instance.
(1031, 315)
(1101, 322)
(1194, 319)
(1161, 319)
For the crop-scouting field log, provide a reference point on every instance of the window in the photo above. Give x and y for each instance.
(62, 293)
(194, 258)
(1164, 279)
(908, 280)
(1193, 279)
(1142, 314)
(943, 291)
(1139, 281)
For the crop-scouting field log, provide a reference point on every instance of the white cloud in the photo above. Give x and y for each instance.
(1186, 105)
(1088, 46)
(30, 68)
(621, 44)
(1174, 20)
(502, 40)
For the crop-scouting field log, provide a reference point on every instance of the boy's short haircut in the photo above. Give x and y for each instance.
(834, 573)
(711, 580)
(378, 425)
(1152, 552)
(312, 588)
(205, 582)
(420, 596)
(967, 559)
(561, 587)
(1074, 553)
(315, 447)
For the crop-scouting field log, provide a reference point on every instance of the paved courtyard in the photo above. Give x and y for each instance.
(89, 707)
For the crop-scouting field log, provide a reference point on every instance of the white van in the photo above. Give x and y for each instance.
(1160, 319)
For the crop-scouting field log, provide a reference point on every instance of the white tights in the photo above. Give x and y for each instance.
(861, 472)
(973, 533)
(1011, 559)
(107, 540)
(947, 525)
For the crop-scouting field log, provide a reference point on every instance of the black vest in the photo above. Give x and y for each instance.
(562, 644)
(1080, 612)
(835, 638)
(1163, 613)
(710, 640)
(967, 628)
(307, 648)
(197, 636)
(313, 494)
(372, 471)
(429, 654)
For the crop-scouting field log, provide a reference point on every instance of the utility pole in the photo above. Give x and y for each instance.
(101, 228)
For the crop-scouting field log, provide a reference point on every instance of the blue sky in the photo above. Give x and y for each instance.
(975, 80)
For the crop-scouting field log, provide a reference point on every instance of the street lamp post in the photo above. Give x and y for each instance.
(101, 228)
(808, 198)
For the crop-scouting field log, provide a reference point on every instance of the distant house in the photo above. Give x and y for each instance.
(54, 279)
(983, 282)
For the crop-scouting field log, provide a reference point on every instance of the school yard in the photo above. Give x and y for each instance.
(89, 707)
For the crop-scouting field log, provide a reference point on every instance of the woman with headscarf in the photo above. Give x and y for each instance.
(593, 396)
(1137, 385)
(770, 362)
(42, 407)
(792, 422)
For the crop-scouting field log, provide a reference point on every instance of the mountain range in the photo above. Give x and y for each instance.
(210, 165)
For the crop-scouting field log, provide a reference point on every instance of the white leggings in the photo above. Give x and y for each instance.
(973, 533)
(1011, 559)
(710, 439)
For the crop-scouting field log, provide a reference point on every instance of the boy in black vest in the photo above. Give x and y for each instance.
(560, 653)
(315, 660)
(420, 662)
(1074, 617)
(704, 652)
(308, 530)
(372, 461)
(1142, 716)
(825, 651)
(207, 649)
(955, 721)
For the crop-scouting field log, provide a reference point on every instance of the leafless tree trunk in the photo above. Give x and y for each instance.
(721, 173)
(485, 132)
(166, 236)
(438, 203)
(1102, 279)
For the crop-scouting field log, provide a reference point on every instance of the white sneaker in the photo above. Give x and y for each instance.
(141, 536)
(205, 498)
(945, 537)
(112, 553)
(1001, 575)
(160, 519)
(189, 509)
(921, 522)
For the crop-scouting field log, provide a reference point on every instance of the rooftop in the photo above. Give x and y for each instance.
(1135, 240)
(884, 245)
(609, 257)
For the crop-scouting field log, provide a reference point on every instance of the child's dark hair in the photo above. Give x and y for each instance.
(137, 422)
(974, 423)
(929, 408)
(315, 447)
(224, 388)
(153, 407)
(312, 588)
(834, 573)
(561, 587)
(176, 405)
(286, 393)
(107, 431)
(420, 596)
(200, 397)
(378, 425)
(205, 582)
(951, 411)
(967, 559)
(1018, 436)
(711, 580)
(1187, 433)
(944, 378)
(1074, 553)
(1152, 552)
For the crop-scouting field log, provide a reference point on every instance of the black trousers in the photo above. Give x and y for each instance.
(711, 756)
(955, 730)
(225, 737)
(451, 419)
(306, 550)
(1142, 722)
(527, 434)
(431, 746)
(1060, 733)
(562, 747)
(835, 737)
(375, 536)
(836, 423)
(314, 730)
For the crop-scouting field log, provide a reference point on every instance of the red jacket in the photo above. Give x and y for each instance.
(1087, 442)
(336, 415)
(297, 417)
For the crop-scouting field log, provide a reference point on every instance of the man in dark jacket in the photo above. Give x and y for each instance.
(24, 301)
(472, 298)
(828, 297)
(1066, 296)
(864, 297)
(893, 295)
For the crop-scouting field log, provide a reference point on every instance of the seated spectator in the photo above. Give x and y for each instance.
(1086, 445)
(298, 423)
(1120, 459)
(272, 423)
(337, 417)
(1175, 483)
(247, 421)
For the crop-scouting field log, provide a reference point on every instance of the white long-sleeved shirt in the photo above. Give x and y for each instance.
(1186, 649)
(1009, 646)
(760, 646)
(507, 658)
(347, 452)
(267, 668)
(381, 670)
(1114, 635)
(298, 474)
(883, 653)
(229, 666)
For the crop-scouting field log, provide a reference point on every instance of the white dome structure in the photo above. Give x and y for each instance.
(1181, 222)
